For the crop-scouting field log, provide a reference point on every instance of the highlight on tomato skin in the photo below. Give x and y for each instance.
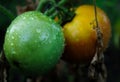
(80, 34)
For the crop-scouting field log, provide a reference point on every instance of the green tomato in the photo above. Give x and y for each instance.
(34, 43)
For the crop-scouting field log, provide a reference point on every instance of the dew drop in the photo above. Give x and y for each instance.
(32, 18)
(38, 30)
(44, 37)
(13, 37)
(24, 17)
(7, 31)
(11, 44)
(13, 52)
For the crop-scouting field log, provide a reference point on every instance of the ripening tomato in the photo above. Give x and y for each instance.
(80, 34)
(34, 43)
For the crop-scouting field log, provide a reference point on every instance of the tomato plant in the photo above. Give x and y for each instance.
(33, 43)
(34, 56)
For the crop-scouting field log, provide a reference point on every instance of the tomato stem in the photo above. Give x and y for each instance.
(55, 6)
(42, 4)
(53, 15)
(56, 9)
(7, 12)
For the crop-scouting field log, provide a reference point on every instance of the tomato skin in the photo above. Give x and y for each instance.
(34, 43)
(81, 36)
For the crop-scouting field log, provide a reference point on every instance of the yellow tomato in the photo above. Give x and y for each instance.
(80, 34)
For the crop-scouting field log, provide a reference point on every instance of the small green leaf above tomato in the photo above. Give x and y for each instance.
(34, 43)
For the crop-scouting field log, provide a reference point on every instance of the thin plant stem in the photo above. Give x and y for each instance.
(41, 4)
(7, 12)
(96, 20)
(62, 2)
(99, 34)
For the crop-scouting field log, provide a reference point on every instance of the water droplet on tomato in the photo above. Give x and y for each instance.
(32, 18)
(7, 31)
(13, 52)
(24, 17)
(38, 30)
(44, 37)
(11, 44)
(13, 37)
